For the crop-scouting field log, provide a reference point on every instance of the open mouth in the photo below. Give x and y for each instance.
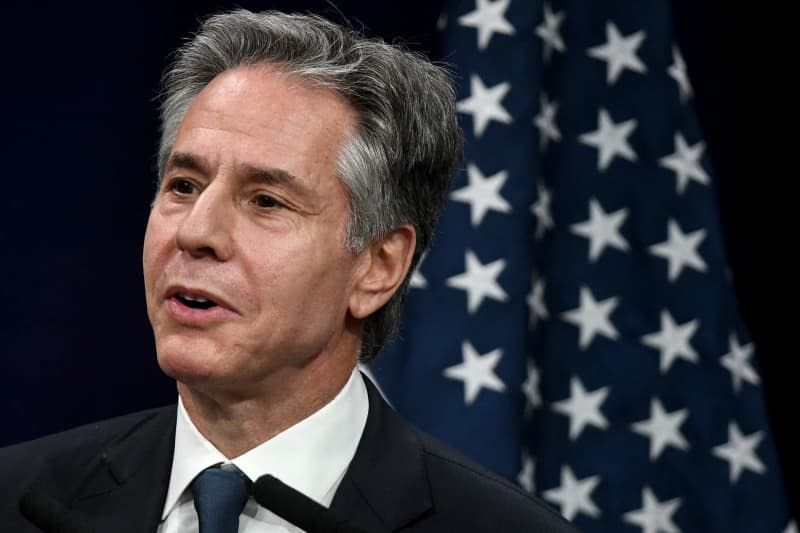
(195, 302)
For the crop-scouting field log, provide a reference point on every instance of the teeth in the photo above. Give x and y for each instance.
(194, 299)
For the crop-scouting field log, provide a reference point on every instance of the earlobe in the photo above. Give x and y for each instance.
(386, 262)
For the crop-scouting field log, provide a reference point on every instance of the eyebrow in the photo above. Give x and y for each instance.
(185, 161)
(270, 176)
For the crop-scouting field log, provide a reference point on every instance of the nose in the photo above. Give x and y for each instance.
(206, 231)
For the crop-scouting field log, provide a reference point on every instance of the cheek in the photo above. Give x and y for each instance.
(154, 251)
(305, 280)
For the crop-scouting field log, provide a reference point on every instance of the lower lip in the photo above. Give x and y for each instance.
(196, 317)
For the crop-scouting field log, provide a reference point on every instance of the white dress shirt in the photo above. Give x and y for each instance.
(312, 456)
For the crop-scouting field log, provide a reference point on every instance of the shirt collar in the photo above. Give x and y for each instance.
(311, 456)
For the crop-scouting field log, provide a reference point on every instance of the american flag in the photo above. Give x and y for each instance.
(574, 327)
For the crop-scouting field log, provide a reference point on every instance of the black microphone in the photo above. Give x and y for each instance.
(297, 508)
(49, 514)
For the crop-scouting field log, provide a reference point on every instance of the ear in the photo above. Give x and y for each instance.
(384, 265)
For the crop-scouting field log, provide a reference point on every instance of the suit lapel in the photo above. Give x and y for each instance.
(125, 489)
(386, 485)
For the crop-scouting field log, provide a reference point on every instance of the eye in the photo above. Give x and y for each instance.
(182, 187)
(265, 201)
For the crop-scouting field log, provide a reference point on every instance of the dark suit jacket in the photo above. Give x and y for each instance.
(115, 474)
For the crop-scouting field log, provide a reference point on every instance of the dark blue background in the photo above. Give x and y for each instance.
(79, 136)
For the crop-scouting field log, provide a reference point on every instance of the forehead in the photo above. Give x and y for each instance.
(260, 115)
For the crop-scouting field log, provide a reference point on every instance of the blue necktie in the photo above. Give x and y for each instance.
(219, 497)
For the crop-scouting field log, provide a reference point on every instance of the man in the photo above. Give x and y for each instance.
(302, 171)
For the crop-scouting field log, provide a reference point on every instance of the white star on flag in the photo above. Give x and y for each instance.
(574, 496)
(680, 250)
(662, 429)
(482, 194)
(592, 317)
(418, 281)
(548, 31)
(740, 452)
(536, 307)
(530, 388)
(654, 516)
(541, 210)
(526, 475)
(737, 361)
(619, 52)
(610, 140)
(545, 122)
(485, 104)
(678, 73)
(582, 408)
(441, 22)
(602, 229)
(685, 163)
(673, 341)
(476, 371)
(479, 281)
(488, 18)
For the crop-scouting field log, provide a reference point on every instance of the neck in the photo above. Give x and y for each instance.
(236, 422)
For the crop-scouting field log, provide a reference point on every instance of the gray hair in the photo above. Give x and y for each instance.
(399, 165)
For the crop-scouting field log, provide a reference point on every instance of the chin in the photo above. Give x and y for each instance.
(188, 363)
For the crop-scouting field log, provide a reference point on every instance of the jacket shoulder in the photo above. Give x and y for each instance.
(58, 459)
(467, 493)
(403, 479)
(93, 435)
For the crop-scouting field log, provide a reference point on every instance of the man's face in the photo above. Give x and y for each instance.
(246, 272)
